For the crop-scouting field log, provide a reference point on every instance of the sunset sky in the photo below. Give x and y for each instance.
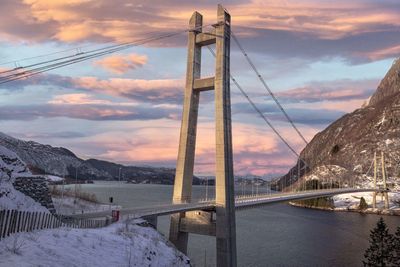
(321, 58)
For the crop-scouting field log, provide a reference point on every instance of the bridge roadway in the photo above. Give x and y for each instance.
(240, 203)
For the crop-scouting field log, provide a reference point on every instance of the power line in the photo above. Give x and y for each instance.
(267, 87)
(75, 59)
(261, 113)
(46, 55)
(47, 66)
(17, 74)
(77, 49)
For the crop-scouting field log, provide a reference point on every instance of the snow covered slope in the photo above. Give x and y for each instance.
(121, 244)
(12, 166)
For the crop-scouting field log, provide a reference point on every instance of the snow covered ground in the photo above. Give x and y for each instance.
(120, 244)
(352, 201)
(67, 205)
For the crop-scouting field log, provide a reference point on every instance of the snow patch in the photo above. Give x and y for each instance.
(53, 178)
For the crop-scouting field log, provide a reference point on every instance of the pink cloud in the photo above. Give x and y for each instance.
(120, 64)
(152, 90)
(339, 90)
(77, 99)
(76, 20)
(392, 51)
(255, 150)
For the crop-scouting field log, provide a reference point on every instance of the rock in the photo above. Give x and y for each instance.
(349, 143)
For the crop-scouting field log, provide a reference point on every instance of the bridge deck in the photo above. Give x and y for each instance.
(240, 203)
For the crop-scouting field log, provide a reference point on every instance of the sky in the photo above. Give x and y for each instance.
(322, 59)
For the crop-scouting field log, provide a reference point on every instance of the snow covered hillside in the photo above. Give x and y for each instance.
(121, 244)
(351, 141)
(12, 166)
(351, 201)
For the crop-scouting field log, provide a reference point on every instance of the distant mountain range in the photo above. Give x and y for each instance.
(45, 159)
(345, 149)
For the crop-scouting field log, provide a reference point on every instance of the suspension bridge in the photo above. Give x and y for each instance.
(214, 217)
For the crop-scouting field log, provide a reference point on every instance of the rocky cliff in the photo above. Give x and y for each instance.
(344, 150)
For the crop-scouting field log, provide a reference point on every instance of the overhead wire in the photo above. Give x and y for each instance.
(47, 66)
(261, 113)
(268, 88)
(27, 71)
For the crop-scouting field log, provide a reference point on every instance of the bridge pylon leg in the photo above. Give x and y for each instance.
(185, 163)
(203, 222)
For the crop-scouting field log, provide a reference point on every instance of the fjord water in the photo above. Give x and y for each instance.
(272, 235)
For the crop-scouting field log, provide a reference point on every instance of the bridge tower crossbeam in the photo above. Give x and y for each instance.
(221, 221)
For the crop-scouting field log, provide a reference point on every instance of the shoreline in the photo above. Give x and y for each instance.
(367, 211)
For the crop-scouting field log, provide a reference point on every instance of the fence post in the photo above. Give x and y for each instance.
(42, 225)
(13, 222)
(5, 224)
(27, 221)
(23, 225)
(2, 224)
(33, 227)
(43, 220)
(10, 222)
(20, 220)
(47, 221)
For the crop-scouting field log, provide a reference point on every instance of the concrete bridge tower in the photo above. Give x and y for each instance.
(221, 221)
(384, 190)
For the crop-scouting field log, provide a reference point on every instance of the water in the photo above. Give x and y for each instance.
(272, 235)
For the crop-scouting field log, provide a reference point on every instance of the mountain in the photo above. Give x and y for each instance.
(42, 159)
(345, 149)
(51, 160)
(136, 174)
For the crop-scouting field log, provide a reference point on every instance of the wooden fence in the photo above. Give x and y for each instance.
(13, 221)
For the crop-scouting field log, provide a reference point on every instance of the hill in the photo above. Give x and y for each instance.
(46, 159)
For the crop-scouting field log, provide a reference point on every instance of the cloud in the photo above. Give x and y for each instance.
(119, 64)
(95, 112)
(303, 115)
(154, 91)
(78, 99)
(255, 151)
(387, 52)
(309, 28)
(356, 48)
(338, 90)
(46, 136)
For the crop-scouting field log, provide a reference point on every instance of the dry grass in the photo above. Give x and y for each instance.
(55, 191)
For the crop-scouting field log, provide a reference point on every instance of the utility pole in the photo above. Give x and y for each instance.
(76, 189)
(206, 188)
(119, 176)
(374, 194)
